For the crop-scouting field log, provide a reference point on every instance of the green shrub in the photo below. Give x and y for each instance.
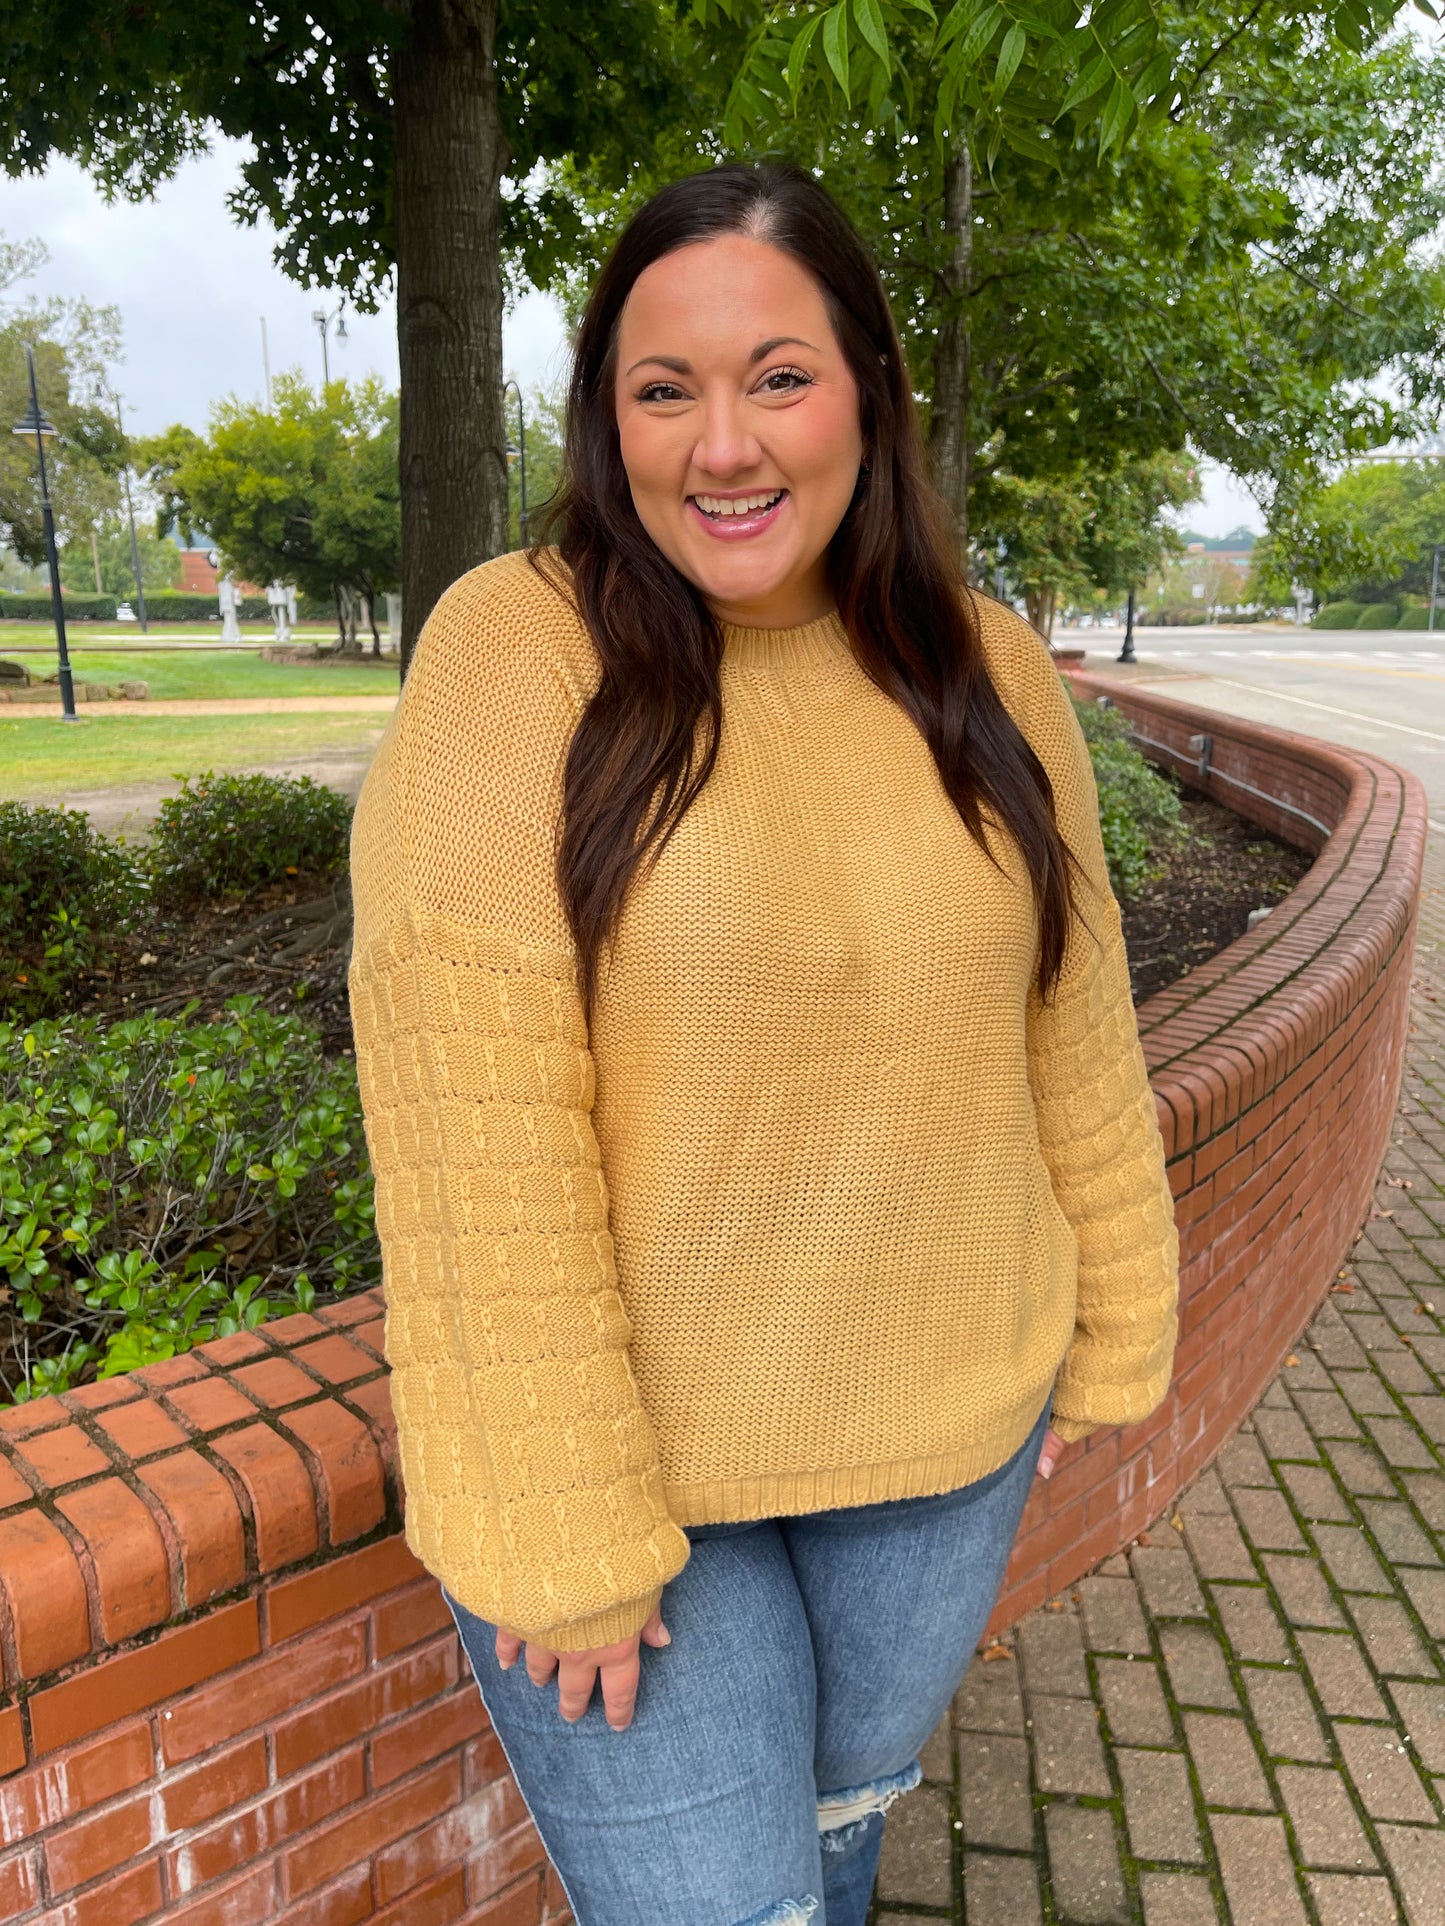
(64, 890)
(184, 605)
(38, 608)
(1338, 615)
(224, 835)
(1139, 809)
(1379, 615)
(1419, 618)
(163, 1182)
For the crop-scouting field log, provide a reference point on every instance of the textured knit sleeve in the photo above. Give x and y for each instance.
(532, 1482)
(1096, 1117)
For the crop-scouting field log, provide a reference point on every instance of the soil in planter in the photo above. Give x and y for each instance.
(1202, 902)
(287, 945)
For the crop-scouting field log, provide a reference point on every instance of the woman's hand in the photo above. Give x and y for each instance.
(577, 1672)
(1053, 1450)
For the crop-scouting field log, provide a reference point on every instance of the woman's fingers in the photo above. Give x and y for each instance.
(619, 1689)
(654, 1632)
(578, 1672)
(541, 1663)
(508, 1647)
(1053, 1450)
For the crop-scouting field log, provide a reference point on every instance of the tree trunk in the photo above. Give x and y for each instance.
(950, 443)
(450, 156)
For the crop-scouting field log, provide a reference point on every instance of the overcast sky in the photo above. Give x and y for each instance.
(192, 288)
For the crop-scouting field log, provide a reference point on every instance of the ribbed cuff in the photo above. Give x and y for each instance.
(1072, 1429)
(600, 1628)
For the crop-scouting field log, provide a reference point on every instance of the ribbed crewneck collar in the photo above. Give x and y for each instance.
(807, 642)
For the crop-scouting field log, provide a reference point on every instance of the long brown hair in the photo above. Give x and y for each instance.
(648, 739)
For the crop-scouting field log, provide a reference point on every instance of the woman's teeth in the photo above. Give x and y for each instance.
(744, 505)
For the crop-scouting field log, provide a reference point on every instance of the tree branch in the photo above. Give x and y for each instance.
(1177, 111)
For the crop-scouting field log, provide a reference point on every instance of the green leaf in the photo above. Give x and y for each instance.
(1117, 115)
(1091, 80)
(798, 54)
(1009, 58)
(870, 26)
(835, 44)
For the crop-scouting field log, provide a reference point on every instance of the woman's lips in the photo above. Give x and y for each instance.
(736, 528)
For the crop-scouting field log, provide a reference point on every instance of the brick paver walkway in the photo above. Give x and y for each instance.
(1242, 1719)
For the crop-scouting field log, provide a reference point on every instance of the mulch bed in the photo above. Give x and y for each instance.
(1227, 868)
(288, 945)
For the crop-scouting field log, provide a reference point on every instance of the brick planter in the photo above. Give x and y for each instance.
(230, 1695)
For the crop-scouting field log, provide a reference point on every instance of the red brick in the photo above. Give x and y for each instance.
(322, 1725)
(132, 1576)
(260, 1693)
(19, 1884)
(12, 1740)
(348, 1464)
(483, 1760)
(246, 1833)
(101, 1395)
(206, 1518)
(344, 1902)
(244, 1902)
(170, 1371)
(503, 1861)
(352, 1310)
(440, 1900)
(131, 1682)
(239, 1348)
(227, 1779)
(130, 1896)
(98, 1844)
(360, 1835)
(295, 1604)
(283, 1502)
(40, 1414)
(60, 1457)
(426, 1734)
(295, 1329)
(141, 1429)
(87, 1775)
(413, 1615)
(13, 1488)
(41, 1579)
(519, 1905)
(372, 1335)
(337, 1360)
(486, 1816)
(275, 1382)
(211, 1404)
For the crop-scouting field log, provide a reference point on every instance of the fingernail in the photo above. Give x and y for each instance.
(506, 1664)
(664, 1637)
(1046, 1471)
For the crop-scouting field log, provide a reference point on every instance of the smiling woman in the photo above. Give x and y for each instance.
(764, 1151)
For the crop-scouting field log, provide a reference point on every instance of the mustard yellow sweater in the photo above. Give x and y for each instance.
(824, 1203)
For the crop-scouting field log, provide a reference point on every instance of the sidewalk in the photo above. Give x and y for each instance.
(314, 705)
(1239, 1720)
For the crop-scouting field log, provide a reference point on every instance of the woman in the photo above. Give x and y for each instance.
(762, 1137)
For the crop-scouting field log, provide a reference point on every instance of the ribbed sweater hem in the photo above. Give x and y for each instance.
(784, 1494)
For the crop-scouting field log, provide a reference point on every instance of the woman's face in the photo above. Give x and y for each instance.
(731, 385)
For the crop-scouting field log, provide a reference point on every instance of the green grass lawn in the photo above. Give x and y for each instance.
(177, 673)
(41, 761)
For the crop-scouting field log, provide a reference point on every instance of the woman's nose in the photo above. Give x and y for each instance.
(726, 445)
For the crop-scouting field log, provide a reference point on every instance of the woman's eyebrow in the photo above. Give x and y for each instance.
(685, 367)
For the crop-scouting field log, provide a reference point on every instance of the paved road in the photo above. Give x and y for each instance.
(1383, 692)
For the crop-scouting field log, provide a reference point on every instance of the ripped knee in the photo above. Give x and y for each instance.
(843, 1816)
(787, 1912)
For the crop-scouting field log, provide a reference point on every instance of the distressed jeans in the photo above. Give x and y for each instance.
(811, 1658)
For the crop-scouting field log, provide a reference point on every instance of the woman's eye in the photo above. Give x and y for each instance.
(793, 376)
(653, 391)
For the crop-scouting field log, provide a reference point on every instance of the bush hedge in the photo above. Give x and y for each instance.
(1379, 615)
(65, 893)
(38, 608)
(224, 835)
(163, 1182)
(1337, 615)
(1139, 809)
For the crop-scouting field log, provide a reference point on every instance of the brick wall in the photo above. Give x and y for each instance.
(1276, 1067)
(228, 1695)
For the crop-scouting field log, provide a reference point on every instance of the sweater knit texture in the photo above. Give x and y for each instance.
(827, 1199)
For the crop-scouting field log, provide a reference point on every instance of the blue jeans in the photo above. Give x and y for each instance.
(811, 1658)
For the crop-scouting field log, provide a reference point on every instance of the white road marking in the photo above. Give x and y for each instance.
(1328, 708)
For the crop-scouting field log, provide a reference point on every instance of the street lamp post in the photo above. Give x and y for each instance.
(1434, 589)
(519, 449)
(140, 594)
(36, 424)
(1126, 654)
(324, 322)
